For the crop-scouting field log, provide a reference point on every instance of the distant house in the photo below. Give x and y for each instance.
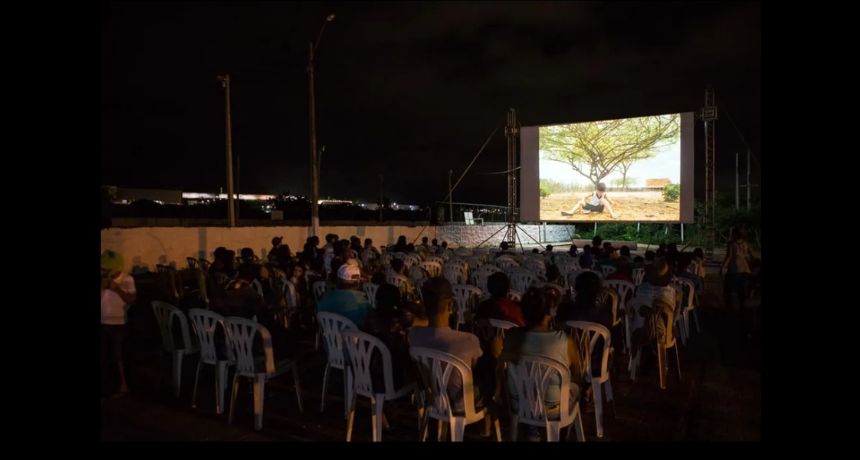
(657, 183)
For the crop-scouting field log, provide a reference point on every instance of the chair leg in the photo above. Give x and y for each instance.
(458, 427)
(259, 399)
(298, 385)
(376, 416)
(350, 419)
(220, 386)
(678, 360)
(233, 397)
(515, 422)
(324, 386)
(661, 367)
(598, 407)
(577, 421)
(196, 379)
(696, 317)
(177, 372)
(443, 430)
(498, 429)
(347, 389)
(553, 431)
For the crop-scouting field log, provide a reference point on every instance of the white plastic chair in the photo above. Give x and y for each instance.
(638, 275)
(164, 315)
(432, 267)
(319, 288)
(666, 315)
(370, 291)
(436, 369)
(465, 300)
(500, 326)
(506, 263)
(358, 353)
(470, 220)
(479, 277)
(688, 288)
(530, 378)
(205, 323)
(332, 325)
(454, 273)
(437, 260)
(521, 280)
(607, 270)
(586, 335)
(515, 296)
(623, 289)
(291, 300)
(400, 281)
(418, 275)
(241, 333)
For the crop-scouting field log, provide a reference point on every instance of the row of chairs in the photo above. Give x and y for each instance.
(240, 335)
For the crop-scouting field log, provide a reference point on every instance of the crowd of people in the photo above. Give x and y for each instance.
(252, 287)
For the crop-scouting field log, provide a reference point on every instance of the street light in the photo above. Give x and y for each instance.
(315, 178)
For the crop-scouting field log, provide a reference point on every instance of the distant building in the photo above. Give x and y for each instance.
(657, 183)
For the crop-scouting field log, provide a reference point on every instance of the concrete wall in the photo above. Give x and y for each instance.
(148, 246)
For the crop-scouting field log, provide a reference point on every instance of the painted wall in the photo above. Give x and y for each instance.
(148, 246)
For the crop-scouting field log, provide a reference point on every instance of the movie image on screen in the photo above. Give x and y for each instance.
(624, 170)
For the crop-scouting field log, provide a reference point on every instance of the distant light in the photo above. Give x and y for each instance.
(330, 18)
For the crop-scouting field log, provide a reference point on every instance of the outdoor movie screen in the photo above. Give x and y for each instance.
(627, 170)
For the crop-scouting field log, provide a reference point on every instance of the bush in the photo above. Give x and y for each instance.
(672, 192)
(544, 192)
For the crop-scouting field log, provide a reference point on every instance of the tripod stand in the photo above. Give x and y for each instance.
(512, 210)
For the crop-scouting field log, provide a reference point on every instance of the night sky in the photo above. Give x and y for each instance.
(407, 90)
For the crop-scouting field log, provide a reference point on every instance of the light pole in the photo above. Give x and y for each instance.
(231, 208)
(315, 177)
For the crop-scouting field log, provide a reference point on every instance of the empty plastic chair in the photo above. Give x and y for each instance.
(587, 335)
(359, 349)
(165, 314)
(241, 333)
(433, 268)
(370, 291)
(607, 270)
(205, 323)
(466, 298)
(332, 325)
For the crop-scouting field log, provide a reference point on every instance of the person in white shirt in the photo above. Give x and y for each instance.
(117, 293)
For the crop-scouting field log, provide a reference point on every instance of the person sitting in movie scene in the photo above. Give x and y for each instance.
(596, 202)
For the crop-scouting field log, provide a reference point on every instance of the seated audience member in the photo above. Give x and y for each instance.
(499, 306)
(347, 299)
(622, 271)
(438, 304)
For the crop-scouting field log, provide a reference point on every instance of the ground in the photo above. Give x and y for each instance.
(631, 207)
(718, 397)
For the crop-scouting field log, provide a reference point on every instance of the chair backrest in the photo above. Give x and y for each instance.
(370, 291)
(192, 263)
(241, 333)
(436, 259)
(470, 220)
(205, 323)
(319, 288)
(536, 266)
(586, 335)
(432, 267)
(454, 273)
(466, 298)
(400, 281)
(258, 286)
(504, 262)
(500, 326)
(521, 280)
(358, 348)
(332, 325)
(607, 270)
(164, 315)
(623, 288)
(436, 369)
(528, 379)
(291, 295)
(410, 260)
(515, 296)
(614, 302)
(204, 264)
(687, 288)
(418, 275)
(638, 275)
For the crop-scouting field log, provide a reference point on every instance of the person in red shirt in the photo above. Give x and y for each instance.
(499, 306)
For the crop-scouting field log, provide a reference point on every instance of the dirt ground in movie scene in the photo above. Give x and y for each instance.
(629, 206)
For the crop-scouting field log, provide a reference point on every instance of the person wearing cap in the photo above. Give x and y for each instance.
(118, 291)
(347, 299)
(655, 289)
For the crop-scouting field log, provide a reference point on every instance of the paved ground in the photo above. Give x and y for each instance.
(719, 398)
